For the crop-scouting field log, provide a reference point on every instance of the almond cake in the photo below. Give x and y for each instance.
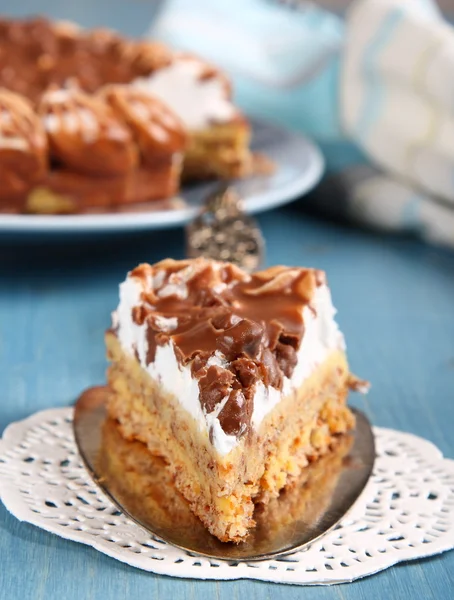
(238, 381)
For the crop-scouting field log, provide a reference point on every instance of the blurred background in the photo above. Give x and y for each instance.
(129, 16)
(378, 104)
(381, 111)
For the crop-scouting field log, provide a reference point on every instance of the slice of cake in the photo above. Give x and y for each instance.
(239, 381)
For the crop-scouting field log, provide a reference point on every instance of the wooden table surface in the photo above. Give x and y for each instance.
(395, 299)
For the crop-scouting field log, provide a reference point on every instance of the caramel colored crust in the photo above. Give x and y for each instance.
(221, 490)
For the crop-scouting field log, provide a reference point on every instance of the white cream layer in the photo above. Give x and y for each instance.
(197, 102)
(321, 337)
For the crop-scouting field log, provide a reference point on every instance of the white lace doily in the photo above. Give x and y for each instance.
(405, 512)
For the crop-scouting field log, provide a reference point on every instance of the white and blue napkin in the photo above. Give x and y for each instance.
(375, 89)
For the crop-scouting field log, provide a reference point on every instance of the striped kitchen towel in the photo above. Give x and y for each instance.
(397, 103)
(375, 89)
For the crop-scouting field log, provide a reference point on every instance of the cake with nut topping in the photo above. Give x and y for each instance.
(90, 120)
(239, 381)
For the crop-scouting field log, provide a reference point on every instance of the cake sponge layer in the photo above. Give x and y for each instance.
(222, 489)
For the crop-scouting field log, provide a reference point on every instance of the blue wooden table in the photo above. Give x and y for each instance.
(395, 299)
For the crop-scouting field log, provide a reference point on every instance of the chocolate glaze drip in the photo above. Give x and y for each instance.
(234, 329)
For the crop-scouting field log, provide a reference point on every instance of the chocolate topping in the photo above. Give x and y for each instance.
(234, 416)
(286, 358)
(244, 338)
(269, 368)
(36, 54)
(214, 386)
(235, 329)
(102, 149)
(246, 371)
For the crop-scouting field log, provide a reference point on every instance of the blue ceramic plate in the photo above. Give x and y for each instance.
(298, 167)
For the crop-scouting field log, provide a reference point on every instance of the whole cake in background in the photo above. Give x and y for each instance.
(239, 381)
(91, 120)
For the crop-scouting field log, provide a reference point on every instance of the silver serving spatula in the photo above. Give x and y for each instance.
(297, 518)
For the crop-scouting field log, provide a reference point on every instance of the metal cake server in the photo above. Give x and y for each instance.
(223, 231)
(138, 482)
(139, 485)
